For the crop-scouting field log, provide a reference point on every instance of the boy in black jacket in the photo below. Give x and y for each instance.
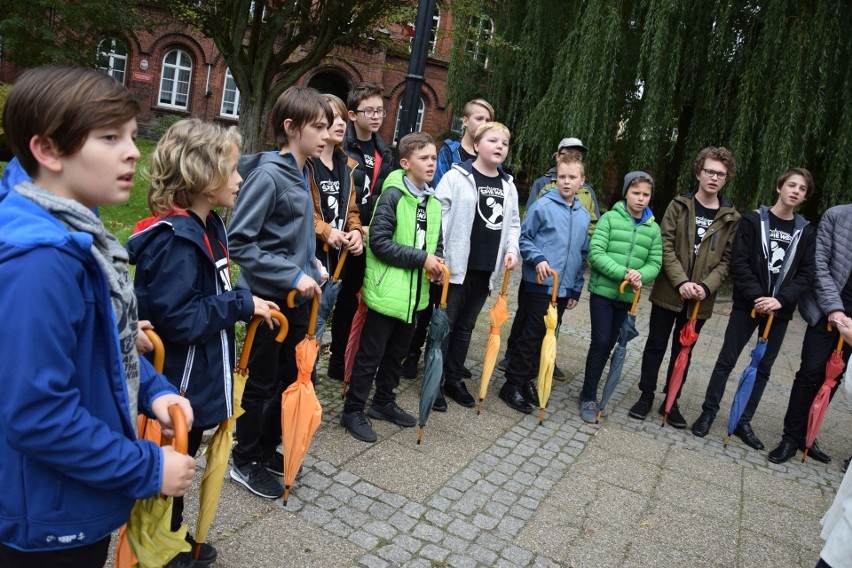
(772, 264)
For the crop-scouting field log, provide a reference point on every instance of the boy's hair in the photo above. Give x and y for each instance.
(63, 104)
(338, 105)
(362, 91)
(469, 107)
(640, 179)
(571, 160)
(809, 179)
(483, 128)
(301, 105)
(412, 142)
(191, 159)
(720, 154)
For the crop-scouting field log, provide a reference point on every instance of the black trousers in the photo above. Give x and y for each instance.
(344, 310)
(384, 343)
(816, 349)
(89, 556)
(464, 303)
(526, 346)
(659, 328)
(272, 368)
(606, 317)
(739, 332)
(518, 324)
(195, 436)
(421, 322)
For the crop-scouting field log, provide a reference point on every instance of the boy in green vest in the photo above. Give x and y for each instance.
(402, 258)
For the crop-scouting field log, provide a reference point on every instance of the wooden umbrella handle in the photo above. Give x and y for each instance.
(769, 321)
(555, 284)
(181, 439)
(636, 295)
(251, 330)
(159, 350)
(315, 302)
(506, 281)
(694, 314)
(446, 286)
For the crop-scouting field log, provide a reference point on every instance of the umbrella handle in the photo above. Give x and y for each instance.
(251, 330)
(839, 341)
(769, 321)
(694, 314)
(505, 281)
(635, 296)
(181, 439)
(555, 284)
(312, 326)
(159, 350)
(336, 276)
(446, 287)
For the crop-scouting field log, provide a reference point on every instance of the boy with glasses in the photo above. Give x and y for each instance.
(698, 232)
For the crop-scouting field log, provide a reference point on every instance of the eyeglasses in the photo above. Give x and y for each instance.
(714, 174)
(373, 112)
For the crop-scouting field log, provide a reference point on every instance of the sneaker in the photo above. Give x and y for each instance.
(466, 374)
(675, 419)
(206, 555)
(558, 374)
(358, 426)
(182, 560)
(642, 407)
(589, 411)
(256, 479)
(392, 413)
(503, 364)
(440, 404)
(409, 365)
(275, 463)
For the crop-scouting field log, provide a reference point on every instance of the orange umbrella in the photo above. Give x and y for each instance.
(301, 412)
(547, 361)
(688, 337)
(816, 415)
(499, 314)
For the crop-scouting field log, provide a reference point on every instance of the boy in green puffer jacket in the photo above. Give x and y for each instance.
(626, 245)
(402, 258)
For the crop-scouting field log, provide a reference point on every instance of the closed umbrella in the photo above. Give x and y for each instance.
(548, 349)
(301, 412)
(433, 366)
(499, 314)
(816, 415)
(688, 337)
(329, 295)
(746, 384)
(354, 341)
(626, 333)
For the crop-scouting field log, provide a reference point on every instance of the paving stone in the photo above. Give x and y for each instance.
(454, 543)
(315, 480)
(394, 554)
(517, 555)
(393, 499)
(463, 529)
(418, 563)
(325, 468)
(434, 552)
(485, 522)
(495, 509)
(315, 515)
(361, 502)
(381, 529)
(381, 511)
(371, 561)
(409, 543)
(342, 492)
(402, 522)
(440, 503)
(427, 532)
(368, 489)
(482, 554)
(364, 539)
(459, 561)
(438, 518)
(510, 525)
(346, 478)
(338, 528)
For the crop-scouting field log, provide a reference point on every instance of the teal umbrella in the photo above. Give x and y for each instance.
(616, 363)
(439, 328)
(746, 384)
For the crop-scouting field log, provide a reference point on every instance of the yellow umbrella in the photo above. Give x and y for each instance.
(219, 447)
(499, 314)
(548, 349)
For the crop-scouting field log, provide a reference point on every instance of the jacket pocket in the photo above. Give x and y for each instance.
(382, 277)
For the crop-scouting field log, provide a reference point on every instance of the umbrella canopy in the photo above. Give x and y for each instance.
(301, 412)
(626, 333)
(499, 314)
(219, 447)
(329, 295)
(354, 341)
(816, 415)
(548, 349)
(746, 384)
(688, 337)
(439, 328)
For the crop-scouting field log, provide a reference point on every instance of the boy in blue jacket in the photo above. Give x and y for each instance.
(70, 463)
(554, 235)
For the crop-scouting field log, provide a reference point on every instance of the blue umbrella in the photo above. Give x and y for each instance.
(433, 366)
(329, 296)
(616, 363)
(746, 384)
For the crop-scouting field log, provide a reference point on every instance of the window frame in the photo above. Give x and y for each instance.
(236, 102)
(112, 55)
(418, 124)
(177, 67)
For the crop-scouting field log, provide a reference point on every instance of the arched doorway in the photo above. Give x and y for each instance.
(330, 81)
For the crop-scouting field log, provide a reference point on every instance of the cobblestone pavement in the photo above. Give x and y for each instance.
(498, 489)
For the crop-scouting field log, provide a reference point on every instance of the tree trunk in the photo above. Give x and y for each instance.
(254, 124)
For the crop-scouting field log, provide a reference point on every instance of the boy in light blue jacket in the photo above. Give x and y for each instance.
(554, 236)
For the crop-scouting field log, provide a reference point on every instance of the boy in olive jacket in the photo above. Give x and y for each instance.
(405, 245)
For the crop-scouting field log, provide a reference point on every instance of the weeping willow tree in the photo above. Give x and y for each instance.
(647, 83)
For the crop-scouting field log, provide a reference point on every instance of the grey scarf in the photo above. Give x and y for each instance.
(112, 259)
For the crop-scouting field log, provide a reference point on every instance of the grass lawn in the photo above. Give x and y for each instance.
(120, 219)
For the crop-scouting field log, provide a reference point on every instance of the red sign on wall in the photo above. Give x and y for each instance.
(142, 77)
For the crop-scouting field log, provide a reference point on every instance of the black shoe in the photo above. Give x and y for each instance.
(409, 365)
(675, 419)
(457, 391)
(392, 413)
(702, 425)
(466, 374)
(785, 450)
(440, 404)
(558, 374)
(358, 426)
(513, 397)
(642, 407)
(335, 371)
(530, 393)
(845, 465)
(817, 453)
(182, 560)
(206, 555)
(503, 364)
(274, 463)
(747, 435)
(256, 479)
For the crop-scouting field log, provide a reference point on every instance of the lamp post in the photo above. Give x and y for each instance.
(416, 68)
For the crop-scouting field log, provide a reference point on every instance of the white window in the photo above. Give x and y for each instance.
(174, 82)
(481, 28)
(230, 97)
(433, 32)
(112, 58)
(418, 125)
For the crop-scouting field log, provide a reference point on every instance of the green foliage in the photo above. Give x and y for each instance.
(4, 146)
(120, 219)
(162, 123)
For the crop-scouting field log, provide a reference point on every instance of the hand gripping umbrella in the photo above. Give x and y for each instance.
(439, 328)
(746, 384)
(548, 349)
(499, 314)
(816, 415)
(301, 412)
(616, 363)
(688, 337)
(354, 341)
(329, 295)
(219, 447)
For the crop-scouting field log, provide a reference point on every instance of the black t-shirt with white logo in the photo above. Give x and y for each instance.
(487, 222)
(421, 224)
(781, 233)
(703, 219)
(368, 148)
(329, 194)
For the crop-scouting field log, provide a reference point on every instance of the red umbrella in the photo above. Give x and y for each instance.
(354, 341)
(688, 337)
(816, 415)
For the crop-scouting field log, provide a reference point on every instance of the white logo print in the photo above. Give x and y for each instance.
(492, 213)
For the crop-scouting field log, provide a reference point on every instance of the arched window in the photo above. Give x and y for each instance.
(418, 125)
(175, 78)
(112, 58)
(230, 97)
(433, 31)
(481, 28)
